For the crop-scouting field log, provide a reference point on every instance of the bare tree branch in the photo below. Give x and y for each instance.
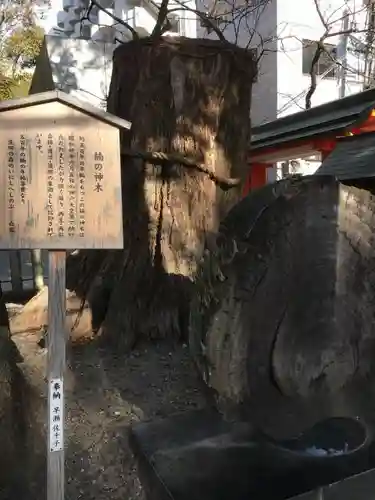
(320, 14)
(94, 3)
(205, 17)
(319, 50)
(227, 19)
(161, 20)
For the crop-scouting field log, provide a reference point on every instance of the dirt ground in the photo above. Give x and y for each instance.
(105, 394)
(111, 394)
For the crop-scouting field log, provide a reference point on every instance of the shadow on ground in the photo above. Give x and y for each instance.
(105, 394)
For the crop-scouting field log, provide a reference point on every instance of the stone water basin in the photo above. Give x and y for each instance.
(199, 456)
(332, 437)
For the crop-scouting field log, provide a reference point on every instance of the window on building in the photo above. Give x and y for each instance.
(255, 54)
(325, 66)
(211, 21)
(218, 16)
(174, 22)
(356, 63)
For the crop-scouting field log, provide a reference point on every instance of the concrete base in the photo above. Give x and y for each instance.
(197, 456)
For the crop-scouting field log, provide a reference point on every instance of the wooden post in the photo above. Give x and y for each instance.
(55, 369)
(75, 203)
(38, 278)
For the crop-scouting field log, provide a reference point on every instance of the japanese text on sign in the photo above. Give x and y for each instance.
(82, 178)
(23, 160)
(61, 186)
(66, 160)
(38, 141)
(61, 181)
(72, 194)
(11, 185)
(56, 416)
(98, 171)
(50, 184)
(69, 184)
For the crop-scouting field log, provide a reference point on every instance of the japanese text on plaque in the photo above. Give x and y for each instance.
(56, 415)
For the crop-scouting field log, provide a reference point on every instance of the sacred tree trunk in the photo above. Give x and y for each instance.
(184, 97)
(282, 323)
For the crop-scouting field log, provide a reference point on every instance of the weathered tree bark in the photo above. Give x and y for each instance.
(190, 97)
(282, 323)
(12, 447)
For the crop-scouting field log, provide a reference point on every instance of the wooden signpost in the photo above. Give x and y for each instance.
(60, 188)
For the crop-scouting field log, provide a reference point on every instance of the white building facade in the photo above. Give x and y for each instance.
(70, 19)
(285, 30)
(289, 31)
(46, 15)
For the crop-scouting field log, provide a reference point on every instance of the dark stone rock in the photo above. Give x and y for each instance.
(199, 456)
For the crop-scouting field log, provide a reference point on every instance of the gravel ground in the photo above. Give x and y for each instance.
(110, 394)
(106, 394)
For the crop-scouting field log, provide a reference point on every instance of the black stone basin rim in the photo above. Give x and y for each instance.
(359, 436)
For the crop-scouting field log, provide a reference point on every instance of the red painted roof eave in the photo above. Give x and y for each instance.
(310, 145)
(303, 147)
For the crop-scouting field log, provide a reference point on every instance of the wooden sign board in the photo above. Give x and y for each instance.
(60, 181)
(60, 188)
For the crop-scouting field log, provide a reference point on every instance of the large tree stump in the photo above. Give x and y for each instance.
(283, 322)
(188, 97)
